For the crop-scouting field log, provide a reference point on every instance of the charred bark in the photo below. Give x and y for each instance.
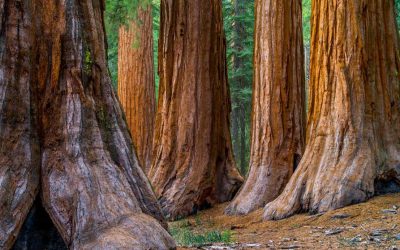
(278, 117)
(92, 186)
(136, 84)
(193, 165)
(353, 129)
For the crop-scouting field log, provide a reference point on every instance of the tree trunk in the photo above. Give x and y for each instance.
(193, 165)
(19, 144)
(58, 87)
(353, 133)
(278, 117)
(136, 84)
(39, 232)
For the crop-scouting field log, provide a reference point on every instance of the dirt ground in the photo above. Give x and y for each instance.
(371, 225)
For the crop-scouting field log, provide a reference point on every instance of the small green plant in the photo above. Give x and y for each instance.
(87, 65)
(198, 220)
(187, 238)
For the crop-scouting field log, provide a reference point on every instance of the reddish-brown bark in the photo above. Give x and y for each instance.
(136, 84)
(353, 133)
(57, 86)
(278, 116)
(193, 164)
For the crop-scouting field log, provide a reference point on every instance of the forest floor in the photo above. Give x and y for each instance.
(371, 225)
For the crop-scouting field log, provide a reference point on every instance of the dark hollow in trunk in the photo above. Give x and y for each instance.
(39, 232)
(60, 119)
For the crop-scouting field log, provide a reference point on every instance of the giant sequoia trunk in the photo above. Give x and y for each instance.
(60, 118)
(136, 82)
(19, 144)
(278, 118)
(353, 134)
(193, 164)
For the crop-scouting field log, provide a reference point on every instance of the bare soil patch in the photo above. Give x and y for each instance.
(371, 225)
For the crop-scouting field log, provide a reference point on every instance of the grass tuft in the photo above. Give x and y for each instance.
(185, 237)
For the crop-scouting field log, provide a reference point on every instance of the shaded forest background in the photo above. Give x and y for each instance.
(239, 29)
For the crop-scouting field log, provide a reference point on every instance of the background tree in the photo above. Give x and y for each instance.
(306, 12)
(353, 149)
(136, 85)
(397, 7)
(193, 165)
(278, 117)
(120, 13)
(69, 126)
(239, 26)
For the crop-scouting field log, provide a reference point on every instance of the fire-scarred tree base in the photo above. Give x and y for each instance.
(39, 232)
(60, 120)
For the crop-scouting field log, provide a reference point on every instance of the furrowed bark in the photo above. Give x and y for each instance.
(136, 84)
(278, 116)
(92, 185)
(353, 149)
(19, 145)
(193, 165)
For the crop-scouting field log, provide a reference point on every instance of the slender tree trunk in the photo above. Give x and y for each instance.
(136, 84)
(278, 118)
(57, 86)
(193, 164)
(353, 133)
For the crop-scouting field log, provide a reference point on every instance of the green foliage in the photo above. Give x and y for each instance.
(397, 8)
(185, 237)
(306, 21)
(156, 35)
(87, 62)
(307, 36)
(239, 28)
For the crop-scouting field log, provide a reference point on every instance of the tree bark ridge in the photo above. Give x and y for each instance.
(193, 165)
(19, 145)
(278, 116)
(136, 84)
(91, 183)
(353, 122)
